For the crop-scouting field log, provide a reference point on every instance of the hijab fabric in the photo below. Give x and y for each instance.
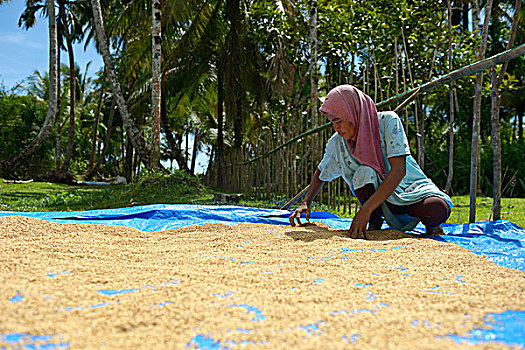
(351, 104)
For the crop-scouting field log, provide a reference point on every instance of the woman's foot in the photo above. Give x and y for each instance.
(435, 231)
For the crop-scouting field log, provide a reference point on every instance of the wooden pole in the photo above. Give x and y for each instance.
(476, 120)
(451, 107)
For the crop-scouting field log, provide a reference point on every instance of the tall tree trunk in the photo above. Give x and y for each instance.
(496, 145)
(128, 161)
(496, 80)
(313, 77)
(186, 152)
(519, 115)
(397, 66)
(72, 89)
(220, 127)
(194, 151)
(106, 141)
(49, 120)
(420, 119)
(451, 106)
(476, 120)
(172, 143)
(478, 151)
(58, 154)
(131, 128)
(234, 110)
(156, 89)
(95, 131)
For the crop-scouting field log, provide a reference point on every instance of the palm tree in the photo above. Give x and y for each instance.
(101, 91)
(186, 59)
(131, 128)
(69, 29)
(44, 132)
(156, 89)
(72, 31)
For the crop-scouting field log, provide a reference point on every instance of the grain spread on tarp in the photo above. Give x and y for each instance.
(264, 286)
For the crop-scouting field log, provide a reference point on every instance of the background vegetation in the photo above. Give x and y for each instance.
(239, 76)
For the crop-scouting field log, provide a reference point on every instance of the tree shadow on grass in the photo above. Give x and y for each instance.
(309, 232)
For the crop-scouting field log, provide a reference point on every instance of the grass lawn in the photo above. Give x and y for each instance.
(512, 209)
(44, 196)
(180, 188)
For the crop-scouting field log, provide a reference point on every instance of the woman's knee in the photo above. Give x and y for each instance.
(433, 211)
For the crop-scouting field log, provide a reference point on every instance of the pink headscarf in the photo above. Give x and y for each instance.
(350, 103)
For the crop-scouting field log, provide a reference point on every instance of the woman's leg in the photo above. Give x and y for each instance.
(376, 218)
(432, 211)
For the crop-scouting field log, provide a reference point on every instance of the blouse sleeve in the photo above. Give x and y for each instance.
(395, 137)
(329, 166)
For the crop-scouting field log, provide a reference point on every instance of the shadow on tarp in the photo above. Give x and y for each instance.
(310, 232)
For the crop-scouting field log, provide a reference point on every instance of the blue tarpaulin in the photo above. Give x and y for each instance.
(501, 242)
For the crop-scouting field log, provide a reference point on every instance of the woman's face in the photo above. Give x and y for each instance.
(344, 128)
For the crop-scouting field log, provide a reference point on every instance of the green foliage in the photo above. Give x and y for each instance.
(21, 118)
(355, 40)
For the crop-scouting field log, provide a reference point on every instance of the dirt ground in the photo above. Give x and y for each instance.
(244, 286)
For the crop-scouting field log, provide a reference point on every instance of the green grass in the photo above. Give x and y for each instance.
(151, 189)
(512, 209)
(180, 188)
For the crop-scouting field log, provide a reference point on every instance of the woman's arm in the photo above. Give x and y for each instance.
(387, 187)
(315, 186)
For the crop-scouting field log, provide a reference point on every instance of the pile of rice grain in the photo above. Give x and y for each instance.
(89, 286)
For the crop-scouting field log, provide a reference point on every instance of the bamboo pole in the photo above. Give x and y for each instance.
(403, 58)
(496, 145)
(397, 65)
(367, 79)
(496, 80)
(407, 101)
(294, 161)
(448, 186)
(474, 163)
(338, 194)
(375, 75)
(267, 172)
(389, 80)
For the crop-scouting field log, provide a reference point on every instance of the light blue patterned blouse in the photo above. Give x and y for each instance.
(415, 186)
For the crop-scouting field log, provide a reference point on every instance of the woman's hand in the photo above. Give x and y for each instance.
(358, 227)
(387, 187)
(303, 208)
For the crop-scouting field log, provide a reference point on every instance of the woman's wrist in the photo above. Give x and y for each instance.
(367, 208)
